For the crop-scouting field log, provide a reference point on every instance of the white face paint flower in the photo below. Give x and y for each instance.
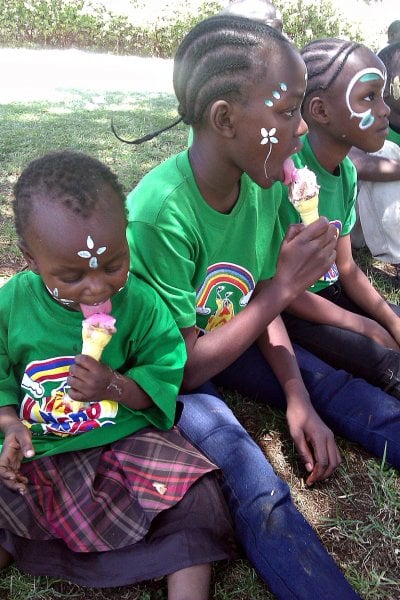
(268, 137)
(93, 264)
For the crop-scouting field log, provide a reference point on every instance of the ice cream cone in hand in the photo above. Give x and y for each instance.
(303, 191)
(97, 331)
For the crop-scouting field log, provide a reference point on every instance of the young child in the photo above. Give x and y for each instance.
(342, 318)
(378, 199)
(203, 230)
(98, 487)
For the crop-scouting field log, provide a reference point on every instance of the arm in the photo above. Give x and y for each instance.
(362, 292)
(297, 268)
(314, 441)
(374, 168)
(16, 446)
(91, 380)
(316, 309)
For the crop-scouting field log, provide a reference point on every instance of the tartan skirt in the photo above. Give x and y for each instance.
(104, 498)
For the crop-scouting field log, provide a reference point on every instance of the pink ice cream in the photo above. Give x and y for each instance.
(97, 331)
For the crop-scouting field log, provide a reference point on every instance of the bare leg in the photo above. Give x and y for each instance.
(192, 583)
(5, 558)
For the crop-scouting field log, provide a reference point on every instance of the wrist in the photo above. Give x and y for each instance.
(115, 387)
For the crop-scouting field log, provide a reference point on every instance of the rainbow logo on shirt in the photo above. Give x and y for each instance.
(226, 289)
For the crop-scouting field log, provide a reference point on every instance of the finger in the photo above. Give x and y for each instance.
(85, 362)
(293, 231)
(304, 452)
(321, 464)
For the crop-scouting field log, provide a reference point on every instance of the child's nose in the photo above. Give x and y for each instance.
(302, 127)
(96, 285)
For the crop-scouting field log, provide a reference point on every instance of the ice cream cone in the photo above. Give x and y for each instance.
(97, 331)
(308, 209)
(94, 340)
(303, 192)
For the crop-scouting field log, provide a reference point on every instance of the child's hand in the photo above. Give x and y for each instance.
(306, 254)
(314, 441)
(89, 380)
(17, 445)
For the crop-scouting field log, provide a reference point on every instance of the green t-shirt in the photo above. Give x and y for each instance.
(337, 197)
(393, 136)
(38, 341)
(204, 264)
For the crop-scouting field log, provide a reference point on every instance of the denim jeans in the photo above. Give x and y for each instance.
(345, 349)
(280, 544)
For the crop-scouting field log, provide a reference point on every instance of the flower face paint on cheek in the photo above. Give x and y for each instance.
(363, 76)
(268, 136)
(54, 294)
(93, 262)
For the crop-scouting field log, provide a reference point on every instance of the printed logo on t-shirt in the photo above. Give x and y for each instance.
(226, 289)
(46, 407)
(333, 274)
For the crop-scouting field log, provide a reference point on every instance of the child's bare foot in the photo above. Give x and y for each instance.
(5, 558)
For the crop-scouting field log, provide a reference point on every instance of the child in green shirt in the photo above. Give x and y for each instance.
(96, 481)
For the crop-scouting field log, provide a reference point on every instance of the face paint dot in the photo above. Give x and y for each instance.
(93, 264)
(269, 103)
(367, 121)
(276, 94)
(283, 86)
(55, 292)
(90, 242)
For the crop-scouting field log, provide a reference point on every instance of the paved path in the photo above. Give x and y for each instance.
(44, 74)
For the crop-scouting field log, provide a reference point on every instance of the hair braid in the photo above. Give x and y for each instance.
(325, 60)
(215, 60)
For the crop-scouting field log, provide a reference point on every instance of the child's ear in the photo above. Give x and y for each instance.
(28, 257)
(318, 110)
(222, 118)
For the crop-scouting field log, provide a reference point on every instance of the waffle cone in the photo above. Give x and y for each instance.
(308, 209)
(94, 340)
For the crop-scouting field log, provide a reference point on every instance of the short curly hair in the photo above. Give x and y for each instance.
(70, 178)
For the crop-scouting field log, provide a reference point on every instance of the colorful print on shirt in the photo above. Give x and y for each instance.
(226, 289)
(46, 408)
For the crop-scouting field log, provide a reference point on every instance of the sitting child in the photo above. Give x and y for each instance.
(378, 173)
(342, 318)
(96, 480)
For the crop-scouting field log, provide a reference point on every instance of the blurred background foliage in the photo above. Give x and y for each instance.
(146, 28)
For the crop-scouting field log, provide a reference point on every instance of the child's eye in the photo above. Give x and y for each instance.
(370, 97)
(113, 268)
(290, 112)
(70, 278)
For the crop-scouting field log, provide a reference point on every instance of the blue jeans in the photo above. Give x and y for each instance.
(281, 545)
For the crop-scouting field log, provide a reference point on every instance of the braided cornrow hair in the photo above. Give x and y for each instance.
(70, 178)
(216, 61)
(324, 60)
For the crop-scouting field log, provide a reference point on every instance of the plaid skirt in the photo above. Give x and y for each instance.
(104, 498)
(195, 531)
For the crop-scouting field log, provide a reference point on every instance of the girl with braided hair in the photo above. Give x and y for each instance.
(342, 318)
(204, 232)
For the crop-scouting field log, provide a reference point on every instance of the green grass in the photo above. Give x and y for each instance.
(356, 513)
